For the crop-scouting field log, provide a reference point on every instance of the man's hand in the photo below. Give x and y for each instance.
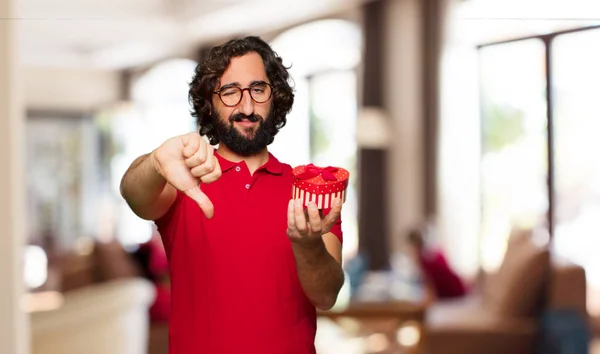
(318, 265)
(309, 232)
(185, 161)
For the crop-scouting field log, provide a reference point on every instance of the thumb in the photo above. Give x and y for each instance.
(202, 200)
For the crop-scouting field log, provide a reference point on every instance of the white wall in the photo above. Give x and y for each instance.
(459, 150)
(403, 102)
(69, 89)
(458, 163)
(13, 322)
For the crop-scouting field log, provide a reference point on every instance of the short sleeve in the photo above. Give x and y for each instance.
(336, 229)
(167, 224)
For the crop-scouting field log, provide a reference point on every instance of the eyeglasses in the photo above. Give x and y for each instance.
(259, 92)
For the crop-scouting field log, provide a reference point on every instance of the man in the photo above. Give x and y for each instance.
(247, 265)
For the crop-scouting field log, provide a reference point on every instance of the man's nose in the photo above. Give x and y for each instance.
(246, 105)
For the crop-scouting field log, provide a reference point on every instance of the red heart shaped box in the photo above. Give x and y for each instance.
(319, 184)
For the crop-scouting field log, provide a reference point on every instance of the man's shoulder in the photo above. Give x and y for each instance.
(286, 168)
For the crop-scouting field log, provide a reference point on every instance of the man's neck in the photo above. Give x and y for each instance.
(253, 162)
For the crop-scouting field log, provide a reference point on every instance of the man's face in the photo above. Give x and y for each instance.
(242, 127)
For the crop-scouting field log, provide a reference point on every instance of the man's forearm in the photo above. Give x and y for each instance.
(142, 184)
(320, 274)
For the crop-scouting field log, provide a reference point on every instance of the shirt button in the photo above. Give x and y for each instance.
(237, 168)
(248, 186)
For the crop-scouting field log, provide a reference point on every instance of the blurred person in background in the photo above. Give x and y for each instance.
(152, 259)
(441, 281)
(247, 265)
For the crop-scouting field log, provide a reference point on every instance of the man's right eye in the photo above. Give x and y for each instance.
(228, 92)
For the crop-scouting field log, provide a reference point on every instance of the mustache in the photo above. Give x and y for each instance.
(240, 117)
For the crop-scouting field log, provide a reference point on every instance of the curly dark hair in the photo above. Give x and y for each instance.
(210, 70)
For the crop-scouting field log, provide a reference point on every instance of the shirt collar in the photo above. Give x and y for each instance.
(225, 164)
(272, 165)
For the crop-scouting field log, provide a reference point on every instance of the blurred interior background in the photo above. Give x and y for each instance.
(474, 117)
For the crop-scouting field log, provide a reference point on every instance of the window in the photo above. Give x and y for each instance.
(539, 161)
(159, 110)
(514, 152)
(324, 56)
(62, 179)
(576, 144)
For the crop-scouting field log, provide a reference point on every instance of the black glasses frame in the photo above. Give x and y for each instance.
(242, 93)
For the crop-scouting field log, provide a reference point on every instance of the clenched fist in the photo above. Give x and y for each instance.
(186, 161)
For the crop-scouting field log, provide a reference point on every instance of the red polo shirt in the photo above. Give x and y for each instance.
(234, 283)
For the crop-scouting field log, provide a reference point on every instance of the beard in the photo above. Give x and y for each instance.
(254, 140)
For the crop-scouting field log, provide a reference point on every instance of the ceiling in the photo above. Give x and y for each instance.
(485, 21)
(112, 34)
